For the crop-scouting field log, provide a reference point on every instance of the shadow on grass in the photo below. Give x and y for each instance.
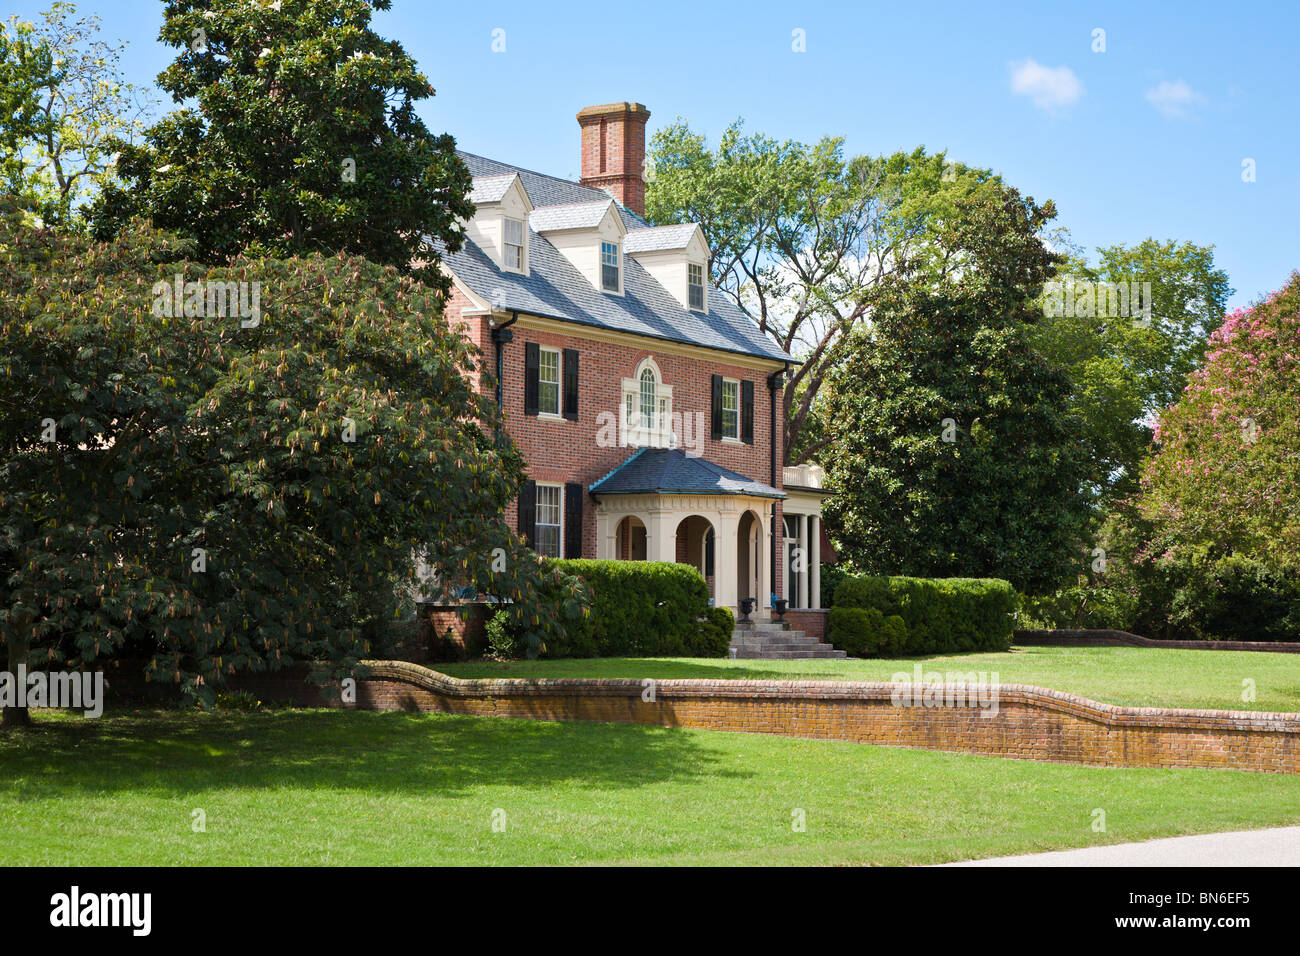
(185, 752)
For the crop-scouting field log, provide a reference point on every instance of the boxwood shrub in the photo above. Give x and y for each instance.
(643, 608)
(902, 615)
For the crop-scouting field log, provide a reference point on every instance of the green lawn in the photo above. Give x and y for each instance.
(1137, 676)
(326, 787)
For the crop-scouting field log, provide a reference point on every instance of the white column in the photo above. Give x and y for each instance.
(724, 562)
(661, 537)
(604, 537)
(815, 567)
(764, 559)
(807, 560)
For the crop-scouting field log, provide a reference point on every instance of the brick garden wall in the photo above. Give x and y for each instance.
(1031, 723)
(1109, 638)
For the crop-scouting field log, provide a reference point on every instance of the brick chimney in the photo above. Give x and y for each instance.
(613, 151)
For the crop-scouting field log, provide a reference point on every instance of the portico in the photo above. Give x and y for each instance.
(662, 505)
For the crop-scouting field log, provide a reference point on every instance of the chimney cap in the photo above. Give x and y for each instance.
(610, 109)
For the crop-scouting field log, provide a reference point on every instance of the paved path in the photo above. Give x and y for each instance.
(1277, 847)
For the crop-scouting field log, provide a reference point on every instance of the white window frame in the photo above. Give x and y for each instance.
(538, 524)
(542, 411)
(656, 434)
(704, 295)
(507, 246)
(617, 265)
(726, 384)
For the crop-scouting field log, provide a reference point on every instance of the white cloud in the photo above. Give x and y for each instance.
(1174, 100)
(1047, 87)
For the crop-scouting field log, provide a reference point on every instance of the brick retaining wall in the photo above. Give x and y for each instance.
(1031, 722)
(1107, 638)
(811, 621)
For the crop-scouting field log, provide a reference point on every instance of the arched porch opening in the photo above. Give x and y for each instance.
(630, 539)
(696, 546)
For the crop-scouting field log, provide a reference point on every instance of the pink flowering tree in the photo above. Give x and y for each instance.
(1224, 478)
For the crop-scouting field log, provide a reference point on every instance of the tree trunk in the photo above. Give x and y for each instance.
(15, 716)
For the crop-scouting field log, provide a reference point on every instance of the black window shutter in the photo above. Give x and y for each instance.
(532, 355)
(717, 407)
(571, 384)
(747, 412)
(708, 554)
(572, 520)
(528, 512)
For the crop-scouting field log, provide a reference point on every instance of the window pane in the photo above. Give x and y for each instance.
(515, 231)
(695, 285)
(548, 520)
(730, 415)
(648, 399)
(548, 381)
(609, 266)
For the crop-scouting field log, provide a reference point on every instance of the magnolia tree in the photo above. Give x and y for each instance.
(223, 470)
(297, 133)
(1225, 474)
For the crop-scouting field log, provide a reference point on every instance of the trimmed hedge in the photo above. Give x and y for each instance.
(643, 608)
(875, 616)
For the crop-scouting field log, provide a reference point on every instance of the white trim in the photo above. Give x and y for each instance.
(559, 544)
(559, 382)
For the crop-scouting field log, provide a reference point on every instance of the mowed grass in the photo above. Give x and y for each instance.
(329, 787)
(1135, 676)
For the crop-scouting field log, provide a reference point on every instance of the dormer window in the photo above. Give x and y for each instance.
(695, 286)
(609, 266)
(514, 244)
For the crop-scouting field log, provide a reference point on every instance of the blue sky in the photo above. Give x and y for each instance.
(1145, 139)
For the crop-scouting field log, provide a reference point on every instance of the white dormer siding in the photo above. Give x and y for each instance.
(579, 231)
(500, 220)
(667, 253)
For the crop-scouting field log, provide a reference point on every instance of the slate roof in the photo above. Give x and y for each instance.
(658, 238)
(672, 471)
(556, 289)
(583, 215)
(490, 188)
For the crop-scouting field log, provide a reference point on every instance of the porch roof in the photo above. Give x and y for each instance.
(669, 471)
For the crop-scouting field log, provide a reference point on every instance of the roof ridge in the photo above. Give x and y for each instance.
(626, 461)
(523, 169)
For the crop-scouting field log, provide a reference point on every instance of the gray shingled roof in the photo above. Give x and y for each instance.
(555, 289)
(583, 215)
(658, 238)
(490, 188)
(672, 471)
(546, 190)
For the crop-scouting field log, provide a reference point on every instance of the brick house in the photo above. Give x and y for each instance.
(645, 402)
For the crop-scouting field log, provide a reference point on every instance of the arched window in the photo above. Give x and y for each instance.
(648, 406)
(648, 399)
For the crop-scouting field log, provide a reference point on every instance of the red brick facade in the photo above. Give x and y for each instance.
(559, 450)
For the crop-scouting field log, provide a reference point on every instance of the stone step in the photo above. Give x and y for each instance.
(830, 653)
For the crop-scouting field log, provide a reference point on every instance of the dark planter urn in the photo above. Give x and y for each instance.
(782, 605)
(746, 608)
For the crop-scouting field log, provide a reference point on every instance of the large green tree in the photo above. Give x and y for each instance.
(803, 238)
(298, 134)
(952, 450)
(1127, 368)
(220, 488)
(81, 108)
(1225, 472)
